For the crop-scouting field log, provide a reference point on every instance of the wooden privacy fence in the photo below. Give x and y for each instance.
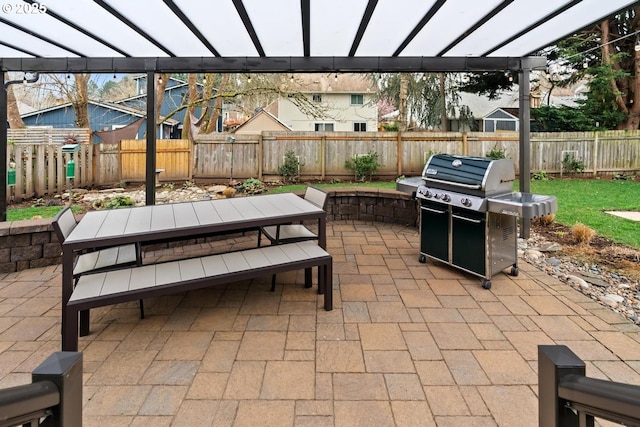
(40, 162)
(323, 154)
(40, 165)
(172, 155)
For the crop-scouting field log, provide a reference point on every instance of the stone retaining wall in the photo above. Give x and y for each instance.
(33, 243)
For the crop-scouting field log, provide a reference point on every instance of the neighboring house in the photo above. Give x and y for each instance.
(102, 116)
(176, 94)
(501, 113)
(114, 115)
(259, 122)
(334, 102)
(501, 119)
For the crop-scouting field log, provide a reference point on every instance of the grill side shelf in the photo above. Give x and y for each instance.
(524, 205)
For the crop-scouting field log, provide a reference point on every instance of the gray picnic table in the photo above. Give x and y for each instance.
(176, 221)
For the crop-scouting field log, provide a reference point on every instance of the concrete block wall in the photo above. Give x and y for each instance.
(28, 244)
(379, 205)
(33, 243)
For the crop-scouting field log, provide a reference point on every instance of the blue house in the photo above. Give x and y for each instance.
(114, 115)
(102, 116)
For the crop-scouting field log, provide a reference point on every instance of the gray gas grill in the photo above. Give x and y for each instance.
(469, 212)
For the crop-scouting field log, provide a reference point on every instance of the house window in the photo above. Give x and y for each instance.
(357, 99)
(360, 127)
(317, 97)
(324, 127)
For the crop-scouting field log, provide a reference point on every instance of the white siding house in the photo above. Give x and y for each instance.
(343, 103)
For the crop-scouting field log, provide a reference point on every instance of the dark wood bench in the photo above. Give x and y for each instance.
(134, 283)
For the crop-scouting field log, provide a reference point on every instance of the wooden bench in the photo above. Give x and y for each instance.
(134, 283)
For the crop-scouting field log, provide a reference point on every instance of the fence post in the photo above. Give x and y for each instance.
(323, 157)
(399, 151)
(64, 369)
(554, 363)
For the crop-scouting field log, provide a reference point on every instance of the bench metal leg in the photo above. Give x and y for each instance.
(308, 277)
(327, 285)
(273, 283)
(85, 318)
(70, 329)
(141, 309)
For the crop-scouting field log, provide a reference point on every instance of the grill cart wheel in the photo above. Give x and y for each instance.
(422, 259)
(514, 271)
(486, 284)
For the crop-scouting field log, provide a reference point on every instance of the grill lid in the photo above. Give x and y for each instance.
(481, 176)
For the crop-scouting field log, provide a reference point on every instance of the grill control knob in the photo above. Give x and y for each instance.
(465, 202)
(425, 192)
(445, 198)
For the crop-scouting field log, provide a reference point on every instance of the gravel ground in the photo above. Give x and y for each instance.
(610, 289)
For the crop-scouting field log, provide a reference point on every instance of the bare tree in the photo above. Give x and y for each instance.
(13, 113)
(217, 106)
(256, 94)
(402, 104)
(161, 85)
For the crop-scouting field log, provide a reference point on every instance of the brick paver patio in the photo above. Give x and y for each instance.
(407, 344)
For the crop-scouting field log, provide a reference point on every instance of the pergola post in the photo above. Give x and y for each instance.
(524, 97)
(3, 148)
(150, 175)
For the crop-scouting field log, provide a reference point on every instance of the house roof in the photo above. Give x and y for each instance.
(334, 83)
(108, 105)
(260, 114)
(287, 35)
(481, 105)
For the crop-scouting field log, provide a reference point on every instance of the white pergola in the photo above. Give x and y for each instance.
(261, 36)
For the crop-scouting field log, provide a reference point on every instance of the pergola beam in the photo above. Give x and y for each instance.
(347, 64)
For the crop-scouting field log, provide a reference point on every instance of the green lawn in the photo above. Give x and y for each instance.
(586, 201)
(579, 200)
(38, 211)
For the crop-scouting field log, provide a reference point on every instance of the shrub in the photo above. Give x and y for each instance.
(116, 202)
(229, 192)
(540, 176)
(290, 169)
(363, 165)
(497, 153)
(545, 220)
(622, 177)
(571, 164)
(252, 186)
(582, 233)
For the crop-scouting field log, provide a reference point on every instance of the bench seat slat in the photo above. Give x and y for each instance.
(214, 265)
(167, 273)
(235, 261)
(276, 255)
(116, 281)
(105, 258)
(312, 251)
(256, 259)
(91, 287)
(143, 277)
(294, 252)
(191, 269)
(126, 254)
